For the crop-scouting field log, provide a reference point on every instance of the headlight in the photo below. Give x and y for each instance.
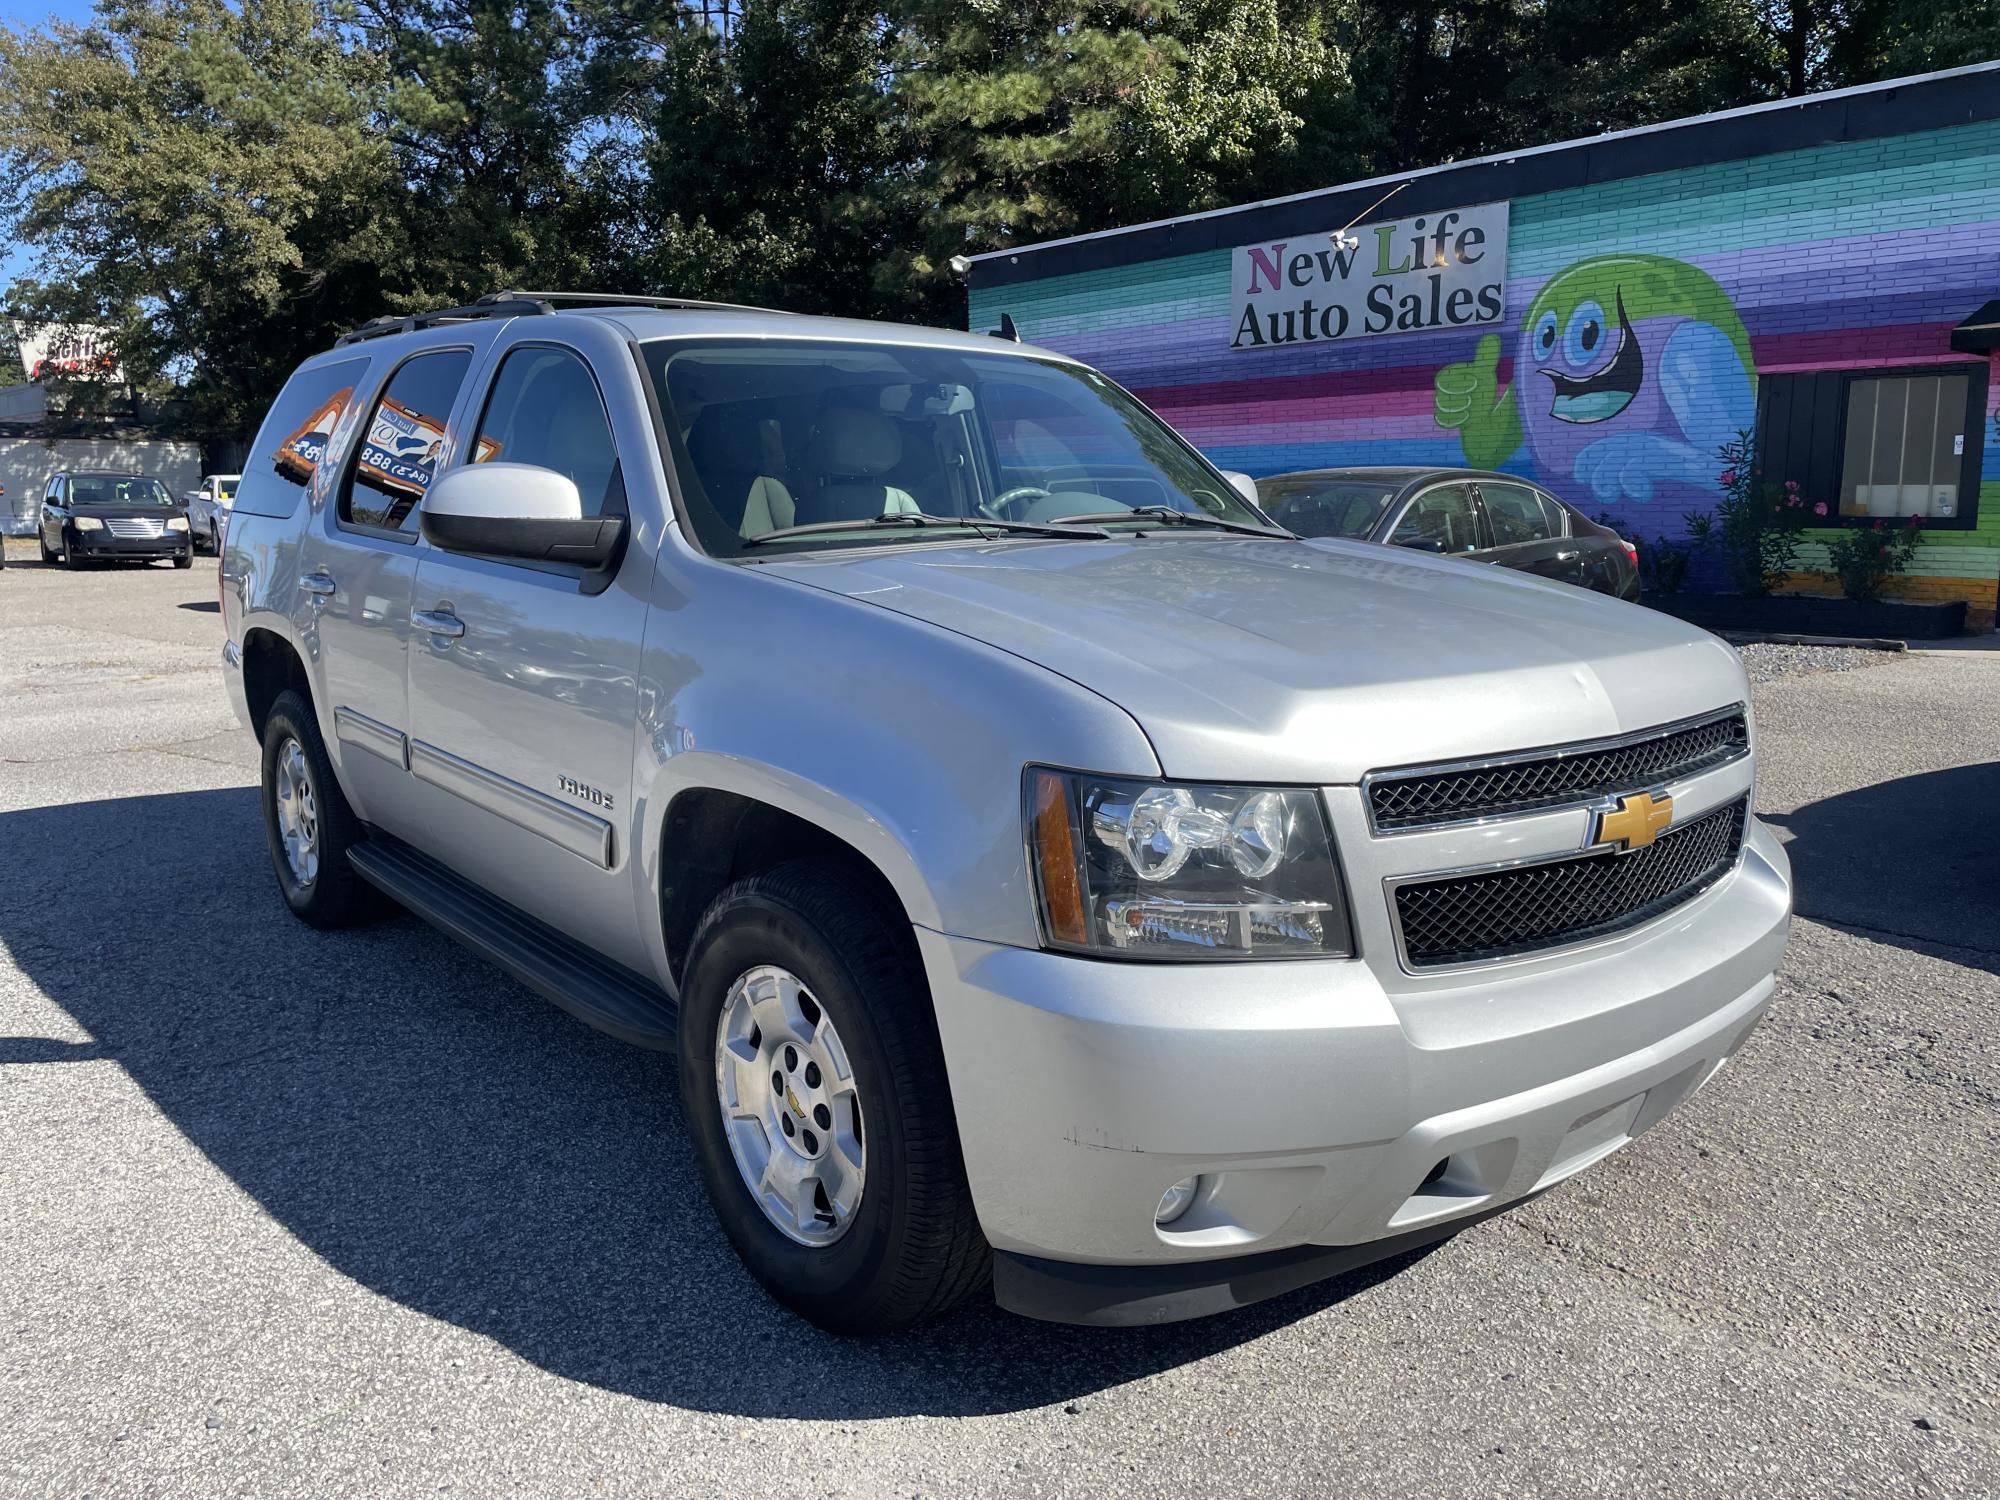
(177, 523)
(87, 523)
(1157, 869)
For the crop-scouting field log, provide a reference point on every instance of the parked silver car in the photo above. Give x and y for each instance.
(208, 508)
(1044, 865)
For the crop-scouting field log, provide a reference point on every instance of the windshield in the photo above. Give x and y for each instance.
(1326, 507)
(117, 489)
(774, 435)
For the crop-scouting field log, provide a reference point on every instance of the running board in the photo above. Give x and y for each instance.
(589, 986)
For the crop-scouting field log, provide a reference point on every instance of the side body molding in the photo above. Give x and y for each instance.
(357, 729)
(583, 834)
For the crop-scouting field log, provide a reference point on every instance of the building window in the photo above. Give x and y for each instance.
(1877, 443)
(1905, 446)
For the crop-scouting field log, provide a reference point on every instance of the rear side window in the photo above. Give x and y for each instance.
(545, 410)
(1441, 519)
(293, 439)
(1517, 514)
(403, 441)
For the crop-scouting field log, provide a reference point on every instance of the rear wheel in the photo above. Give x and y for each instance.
(813, 1086)
(309, 825)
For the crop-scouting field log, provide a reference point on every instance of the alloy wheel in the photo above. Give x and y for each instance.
(298, 812)
(790, 1106)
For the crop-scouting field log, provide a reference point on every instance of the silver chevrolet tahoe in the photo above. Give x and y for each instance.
(1050, 873)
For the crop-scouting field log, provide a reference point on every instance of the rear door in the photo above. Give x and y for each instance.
(1528, 535)
(359, 560)
(524, 703)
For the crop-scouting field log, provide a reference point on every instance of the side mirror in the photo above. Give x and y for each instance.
(517, 510)
(1243, 484)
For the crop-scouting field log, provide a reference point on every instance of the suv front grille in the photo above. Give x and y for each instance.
(1561, 777)
(1502, 913)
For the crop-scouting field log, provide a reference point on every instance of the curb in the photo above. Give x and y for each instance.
(1787, 638)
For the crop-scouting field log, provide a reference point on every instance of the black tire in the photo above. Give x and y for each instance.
(185, 559)
(69, 558)
(48, 557)
(913, 1249)
(336, 896)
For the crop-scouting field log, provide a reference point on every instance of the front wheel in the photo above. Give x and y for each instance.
(813, 1086)
(185, 559)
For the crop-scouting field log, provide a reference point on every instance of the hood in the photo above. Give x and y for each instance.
(1310, 661)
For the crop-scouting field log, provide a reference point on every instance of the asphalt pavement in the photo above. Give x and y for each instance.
(289, 1213)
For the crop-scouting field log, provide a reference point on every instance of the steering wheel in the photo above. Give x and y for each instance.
(999, 506)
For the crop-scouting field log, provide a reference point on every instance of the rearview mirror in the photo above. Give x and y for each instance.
(518, 510)
(1243, 484)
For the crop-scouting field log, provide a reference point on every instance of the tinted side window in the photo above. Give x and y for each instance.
(544, 410)
(1515, 513)
(292, 441)
(1441, 519)
(403, 441)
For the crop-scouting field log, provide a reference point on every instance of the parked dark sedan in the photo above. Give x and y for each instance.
(1487, 517)
(112, 517)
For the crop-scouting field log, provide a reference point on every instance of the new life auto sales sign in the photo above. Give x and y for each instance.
(1437, 270)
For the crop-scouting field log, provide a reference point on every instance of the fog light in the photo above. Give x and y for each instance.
(1176, 1200)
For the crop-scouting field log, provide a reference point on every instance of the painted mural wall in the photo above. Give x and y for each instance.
(1639, 315)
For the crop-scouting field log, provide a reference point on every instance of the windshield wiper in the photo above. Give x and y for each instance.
(893, 518)
(1171, 517)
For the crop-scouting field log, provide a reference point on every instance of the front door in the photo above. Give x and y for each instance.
(524, 679)
(358, 564)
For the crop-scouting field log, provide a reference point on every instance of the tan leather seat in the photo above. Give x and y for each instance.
(850, 452)
(727, 447)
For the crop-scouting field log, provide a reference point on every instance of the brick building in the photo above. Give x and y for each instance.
(1599, 315)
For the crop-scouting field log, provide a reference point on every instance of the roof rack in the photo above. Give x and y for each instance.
(516, 304)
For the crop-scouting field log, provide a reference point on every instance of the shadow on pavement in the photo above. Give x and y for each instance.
(1916, 860)
(201, 606)
(450, 1141)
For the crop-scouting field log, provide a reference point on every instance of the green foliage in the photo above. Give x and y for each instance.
(1865, 558)
(1757, 524)
(228, 183)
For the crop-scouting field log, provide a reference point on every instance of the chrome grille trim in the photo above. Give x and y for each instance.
(1707, 847)
(135, 528)
(1454, 794)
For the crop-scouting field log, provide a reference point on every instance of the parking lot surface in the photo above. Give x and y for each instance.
(290, 1213)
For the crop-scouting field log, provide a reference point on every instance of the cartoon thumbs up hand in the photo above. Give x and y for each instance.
(1469, 388)
(1468, 397)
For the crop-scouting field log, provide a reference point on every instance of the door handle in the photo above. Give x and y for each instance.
(1568, 556)
(317, 584)
(438, 622)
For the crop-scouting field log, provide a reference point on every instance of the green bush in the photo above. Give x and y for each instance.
(1866, 557)
(1758, 524)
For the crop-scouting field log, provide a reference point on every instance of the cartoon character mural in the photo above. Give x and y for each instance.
(1629, 372)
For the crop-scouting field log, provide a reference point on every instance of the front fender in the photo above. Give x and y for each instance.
(900, 738)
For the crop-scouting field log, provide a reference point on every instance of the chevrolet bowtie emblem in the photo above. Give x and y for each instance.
(1632, 822)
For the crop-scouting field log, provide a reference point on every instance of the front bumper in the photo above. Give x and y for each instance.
(100, 547)
(1317, 1101)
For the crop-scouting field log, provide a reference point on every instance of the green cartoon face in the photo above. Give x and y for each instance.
(1590, 331)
